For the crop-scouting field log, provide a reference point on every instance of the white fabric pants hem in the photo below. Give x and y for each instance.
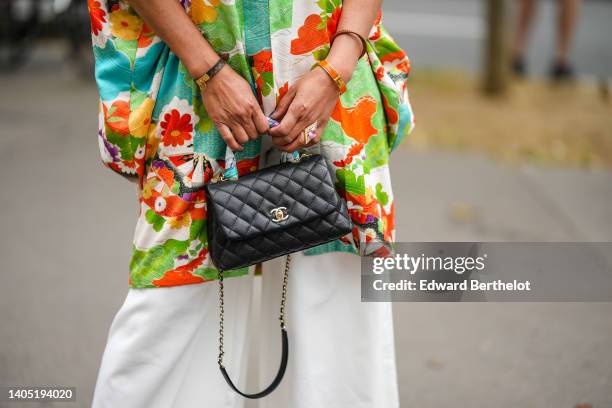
(162, 345)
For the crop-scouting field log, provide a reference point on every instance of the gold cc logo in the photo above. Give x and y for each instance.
(279, 214)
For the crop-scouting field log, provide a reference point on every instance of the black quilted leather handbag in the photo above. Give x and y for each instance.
(269, 213)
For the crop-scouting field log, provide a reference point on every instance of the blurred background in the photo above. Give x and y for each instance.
(505, 149)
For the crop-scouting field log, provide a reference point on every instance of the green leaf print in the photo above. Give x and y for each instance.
(122, 142)
(136, 98)
(155, 219)
(205, 124)
(328, 6)
(198, 230)
(268, 80)
(219, 33)
(151, 264)
(333, 133)
(176, 187)
(208, 273)
(350, 183)
(376, 144)
(280, 14)
(128, 48)
(240, 65)
(385, 46)
(321, 53)
(381, 196)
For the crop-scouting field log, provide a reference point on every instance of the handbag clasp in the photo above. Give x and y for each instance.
(279, 214)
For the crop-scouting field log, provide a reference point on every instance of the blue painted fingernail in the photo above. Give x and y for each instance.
(272, 123)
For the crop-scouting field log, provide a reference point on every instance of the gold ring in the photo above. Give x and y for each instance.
(310, 129)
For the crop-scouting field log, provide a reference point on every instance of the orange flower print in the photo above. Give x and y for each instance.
(380, 73)
(174, 278)
(166, 206)
(310, 36)
(262, 61)
(404, 66)
(259, 82)
(96, 15)
(353, 151)
(389, 219)
(246, 165)
(282, 91)
(398, 58)
(116, 117)
(182, 275)
(146, 36)
(376, 33)
(176, 128)
(332, 22)
(198, 211)
(392, 115)
(356, 121)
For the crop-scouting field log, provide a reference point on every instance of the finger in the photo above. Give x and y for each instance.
(315, 136)
(298, 130)
(250, 129)
(321, 124)
(228, 137)
(240, 134)
(316, 139)
(296, 144)
(260, 121)
(300, 140)
(282, 131)
(312, 140)
(283, 105)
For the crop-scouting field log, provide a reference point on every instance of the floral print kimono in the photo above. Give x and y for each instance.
(154, 127)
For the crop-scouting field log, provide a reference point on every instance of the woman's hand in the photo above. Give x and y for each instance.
(309, 100)
(228, 98)
(313, 98)
(231, 105)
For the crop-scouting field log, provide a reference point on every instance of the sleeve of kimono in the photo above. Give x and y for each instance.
(125, 70)
(391, 67)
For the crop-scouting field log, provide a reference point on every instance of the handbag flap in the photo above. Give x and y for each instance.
(273, 199)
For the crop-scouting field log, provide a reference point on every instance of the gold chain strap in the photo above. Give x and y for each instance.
(222, 304)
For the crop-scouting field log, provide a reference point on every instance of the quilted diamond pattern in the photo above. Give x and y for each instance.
(240, 227)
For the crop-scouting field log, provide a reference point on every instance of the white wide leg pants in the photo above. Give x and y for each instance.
(162, 345)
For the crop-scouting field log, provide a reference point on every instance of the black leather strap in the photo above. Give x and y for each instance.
(277, 379)
(215, 68)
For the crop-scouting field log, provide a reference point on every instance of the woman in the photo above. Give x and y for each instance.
(180, 82)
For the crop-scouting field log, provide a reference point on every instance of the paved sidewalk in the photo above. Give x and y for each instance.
(67, 225)
(502, 354)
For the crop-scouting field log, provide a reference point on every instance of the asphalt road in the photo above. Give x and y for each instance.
(449, 33)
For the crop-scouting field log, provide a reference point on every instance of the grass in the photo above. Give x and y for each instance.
(536, 122)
